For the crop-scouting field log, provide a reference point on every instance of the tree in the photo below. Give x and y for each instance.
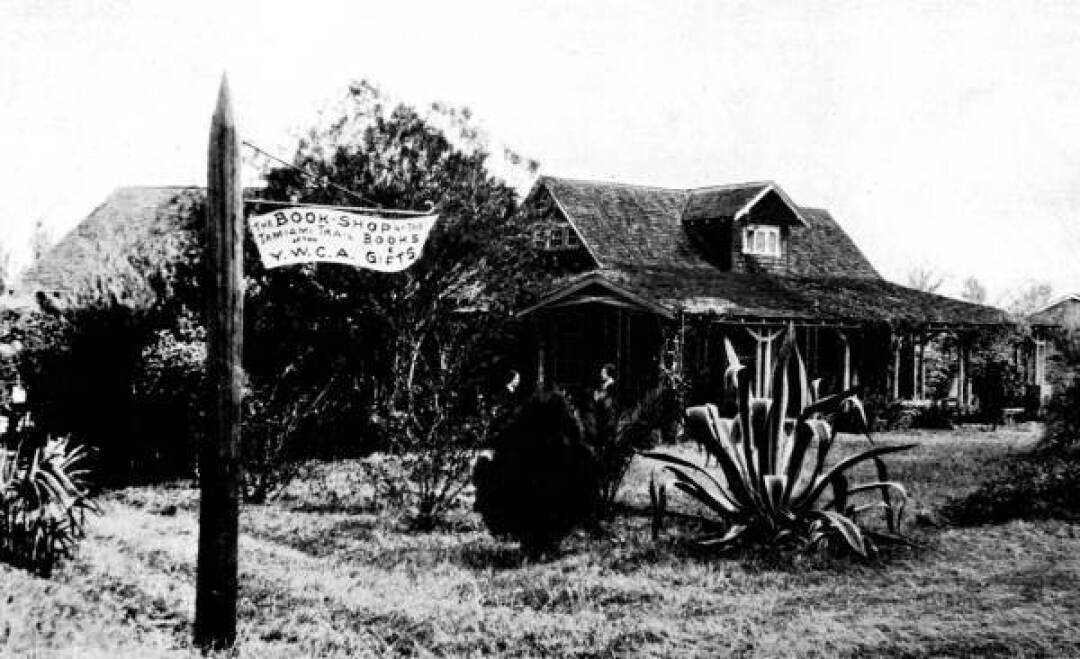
(1029, 298)
(5, 270)
(40, 240)
(925, 278)
(973, 291)
(415, 346)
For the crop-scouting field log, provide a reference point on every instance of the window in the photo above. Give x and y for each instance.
(554, 237)
(557, 239)
(539, 237)
(763, 240)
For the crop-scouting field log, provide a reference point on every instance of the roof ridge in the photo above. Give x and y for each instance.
(731, 186)
(705, 188)
(616, 183)
(191, 186)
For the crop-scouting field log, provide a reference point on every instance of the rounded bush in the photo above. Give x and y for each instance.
(542, 479)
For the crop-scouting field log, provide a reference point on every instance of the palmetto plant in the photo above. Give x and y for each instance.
(774, 487)
(43, 504)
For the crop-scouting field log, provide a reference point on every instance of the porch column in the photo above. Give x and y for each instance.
(845, 347)
(914, 366)
(962, 357)
(896, 343)
(921, 393)
(541, 345)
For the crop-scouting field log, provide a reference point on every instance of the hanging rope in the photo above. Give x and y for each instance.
(311, 176)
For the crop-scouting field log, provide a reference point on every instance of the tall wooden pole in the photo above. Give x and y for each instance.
(219, 456)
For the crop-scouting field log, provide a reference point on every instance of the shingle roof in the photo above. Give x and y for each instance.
(823, 249)
(637, 234)
(764, 296)
(634, 225)
(620, 222)
(128, 221)
(1059, 312)
(721, 200)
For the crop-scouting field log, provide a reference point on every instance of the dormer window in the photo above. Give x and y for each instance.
(761, 240)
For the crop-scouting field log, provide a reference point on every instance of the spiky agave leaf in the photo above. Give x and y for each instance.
(730, 501)
(814, 491)
(772, 480)
(844, 527)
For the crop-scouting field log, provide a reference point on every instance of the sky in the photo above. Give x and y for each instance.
(939, 134)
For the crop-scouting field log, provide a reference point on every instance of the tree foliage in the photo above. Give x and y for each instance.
(972, 290)
(414, 347)
(926, 278)
(1029, 298)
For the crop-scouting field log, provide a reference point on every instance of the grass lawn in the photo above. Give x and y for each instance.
(322, 576)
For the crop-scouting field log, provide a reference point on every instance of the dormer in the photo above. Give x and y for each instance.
(742, 227)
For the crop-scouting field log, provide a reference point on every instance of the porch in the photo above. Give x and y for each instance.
(596, 322)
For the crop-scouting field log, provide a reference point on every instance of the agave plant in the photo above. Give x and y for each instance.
(43, 504)
(773, 486)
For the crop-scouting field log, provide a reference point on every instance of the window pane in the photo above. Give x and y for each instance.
(557, 237)
(772, 243)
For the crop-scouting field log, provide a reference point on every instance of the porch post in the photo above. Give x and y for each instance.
(962, 367)
(914, 367)
(922, 366)
(541, 344)
(845, 346)
(896, 343)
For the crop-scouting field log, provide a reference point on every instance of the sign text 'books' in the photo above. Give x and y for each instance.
(303, 235)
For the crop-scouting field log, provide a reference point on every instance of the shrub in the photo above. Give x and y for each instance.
(773, 481)
(543, 479)
(615, 437)
(43, 505)
(170, 396)
(1039, 485)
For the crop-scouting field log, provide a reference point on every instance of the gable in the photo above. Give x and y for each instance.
(550, 228)
(619, 223)
(758, 203)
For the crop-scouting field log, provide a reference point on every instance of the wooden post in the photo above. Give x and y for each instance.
(845, 346)
(922, 367)
(965, 357)
(219, 456)
(961, 373)
(897, 344)
(541, 343)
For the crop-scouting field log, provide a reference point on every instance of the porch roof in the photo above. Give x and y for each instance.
(758, 297)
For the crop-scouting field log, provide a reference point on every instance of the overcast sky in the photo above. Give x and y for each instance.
(943, 133)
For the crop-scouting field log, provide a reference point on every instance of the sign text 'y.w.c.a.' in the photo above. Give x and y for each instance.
(303, 235)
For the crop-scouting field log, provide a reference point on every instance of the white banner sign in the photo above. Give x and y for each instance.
(304, 235)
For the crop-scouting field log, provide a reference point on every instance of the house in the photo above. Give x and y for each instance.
(650, 280)
(653, 279)
(1058, 315)
(134, 223)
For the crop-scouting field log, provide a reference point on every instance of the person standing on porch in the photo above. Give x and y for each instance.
(606, 390)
